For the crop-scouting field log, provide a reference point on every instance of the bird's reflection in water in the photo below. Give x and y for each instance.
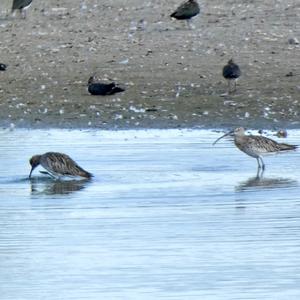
(262, 182)
(56, 187)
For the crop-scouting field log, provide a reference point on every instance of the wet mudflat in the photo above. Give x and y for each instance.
(172, 75)
(167, 216)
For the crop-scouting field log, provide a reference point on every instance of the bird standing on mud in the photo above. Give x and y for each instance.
(102, 89)
(256, 145)
(231, 72)
(22, 6)
(58, 165)
(186, 11)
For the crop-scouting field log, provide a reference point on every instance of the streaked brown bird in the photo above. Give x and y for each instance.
(22, 6)
(231, 72)
(58, 165)
(255, 145)
(186, 11)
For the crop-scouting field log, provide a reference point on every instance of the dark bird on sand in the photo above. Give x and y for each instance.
(103, 89)
(186, 11)
(22, 6)
(58, 165)
(231, 72)
(3, 67)
(256, 145)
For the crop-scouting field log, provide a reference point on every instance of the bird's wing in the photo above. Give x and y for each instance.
(62, 164)
(19, 4)
(185, 9)
(264, 144)
(183, 6)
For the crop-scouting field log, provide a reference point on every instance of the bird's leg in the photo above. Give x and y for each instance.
(234, 85)
(258, 164)
(262, 163)
(23, 13)
(229, 86)
(190, 24)
(259, 173)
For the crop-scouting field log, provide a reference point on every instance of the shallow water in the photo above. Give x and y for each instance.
(167, 216)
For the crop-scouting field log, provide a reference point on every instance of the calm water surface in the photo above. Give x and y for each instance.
(167, 216)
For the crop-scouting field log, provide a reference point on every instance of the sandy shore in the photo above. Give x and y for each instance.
(172, 75)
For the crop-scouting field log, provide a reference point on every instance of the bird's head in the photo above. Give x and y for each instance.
(34, 162)
(240, 131)
(92, 79)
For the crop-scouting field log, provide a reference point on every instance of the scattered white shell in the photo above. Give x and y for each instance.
(137, 110)
(118, 117)
(124, 62)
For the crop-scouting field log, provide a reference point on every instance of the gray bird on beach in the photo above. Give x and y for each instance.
(102, 89)
(255, 145)
(186, 11)
(22, 6)
(231, 72)
(58, 165)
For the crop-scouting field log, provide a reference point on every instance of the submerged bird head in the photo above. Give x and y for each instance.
(240, 131)
(34, 162)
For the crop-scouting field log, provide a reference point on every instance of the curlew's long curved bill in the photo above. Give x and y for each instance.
(30, 172)
(226, 134)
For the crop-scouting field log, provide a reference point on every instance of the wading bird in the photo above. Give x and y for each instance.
(58, 165)
(186, 11)
(256, 146)
(22, 6)
(231, 72)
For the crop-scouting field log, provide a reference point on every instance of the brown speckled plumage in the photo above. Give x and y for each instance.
(58, 164)
(256, 146)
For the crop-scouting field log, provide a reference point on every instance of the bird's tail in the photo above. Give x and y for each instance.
(86, 174)
(116, 89)
(286, 147)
